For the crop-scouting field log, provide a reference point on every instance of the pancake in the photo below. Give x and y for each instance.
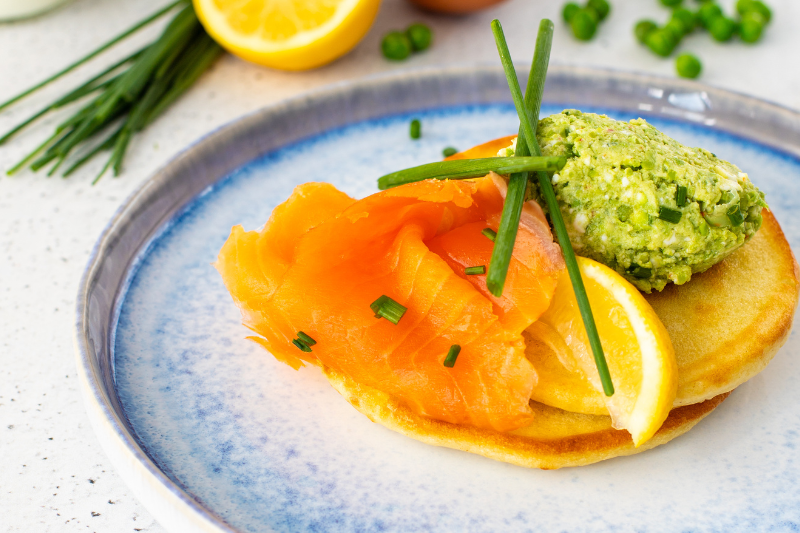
(554, 440)
(726, 324)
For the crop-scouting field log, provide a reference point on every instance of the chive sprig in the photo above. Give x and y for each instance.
(518, 183)
(507, 238)
(470, 168)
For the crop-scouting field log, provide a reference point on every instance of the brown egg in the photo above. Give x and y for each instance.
(455, 6)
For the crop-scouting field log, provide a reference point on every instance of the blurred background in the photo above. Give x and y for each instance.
(53, 474)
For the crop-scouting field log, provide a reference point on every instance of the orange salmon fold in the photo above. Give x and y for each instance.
(323, 258)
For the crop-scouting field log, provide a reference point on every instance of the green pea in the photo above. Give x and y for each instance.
(760, 7)
(722, 28)
(688, 66)
(420, 36)
(570, 8)
(595, 15)
(671, 3)
(447, 152)
(624, 212)
(708, 12)
(686, 18)
(584, 24)
(661, 42)
(415, 129)
(396, 46)
(743, 6)
(601, 7)
(643, 28)
(676, 28)
(751, 27)
(754, 6)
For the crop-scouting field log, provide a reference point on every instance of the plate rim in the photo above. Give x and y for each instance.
(168, 502)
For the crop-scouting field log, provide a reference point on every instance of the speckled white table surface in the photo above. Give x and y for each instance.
(53, 474)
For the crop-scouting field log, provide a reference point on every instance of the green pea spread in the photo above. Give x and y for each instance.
(642, 203)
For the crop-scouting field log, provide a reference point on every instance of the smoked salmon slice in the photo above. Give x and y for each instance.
(323, 258)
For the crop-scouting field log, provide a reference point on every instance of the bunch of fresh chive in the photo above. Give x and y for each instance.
(528, 154)
(124, 98)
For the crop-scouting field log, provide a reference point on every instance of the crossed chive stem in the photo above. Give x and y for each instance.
(528, 111)
(528, 158)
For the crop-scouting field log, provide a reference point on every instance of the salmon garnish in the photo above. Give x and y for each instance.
(323, 258)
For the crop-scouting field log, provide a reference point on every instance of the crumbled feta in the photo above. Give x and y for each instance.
(580, 222)
(509, 150)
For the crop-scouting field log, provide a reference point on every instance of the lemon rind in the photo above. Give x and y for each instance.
(213, 18)
(659, 378)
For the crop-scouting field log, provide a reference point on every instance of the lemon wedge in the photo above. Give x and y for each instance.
(287, 34)
(636, 344)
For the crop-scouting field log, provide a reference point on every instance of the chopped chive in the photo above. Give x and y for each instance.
(301, 345)
(680, 196)
(640, 272)
(535, 87)
(452, 355)
(385, 307)
(447, 152)
(668, 214)
(735, 215)
(306, 339)
(475, 271)
(489, 233)
(470, 168)
(415, 130)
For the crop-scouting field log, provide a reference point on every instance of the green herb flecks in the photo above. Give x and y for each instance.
(680, 196)
(527, 115)
(640, 272)
(385, 307)
(452, 355)
(735, 215)
(667, 214)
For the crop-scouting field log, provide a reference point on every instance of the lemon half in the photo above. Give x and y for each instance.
(287, 34)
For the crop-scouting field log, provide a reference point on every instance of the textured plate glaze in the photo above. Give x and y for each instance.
(214, 435)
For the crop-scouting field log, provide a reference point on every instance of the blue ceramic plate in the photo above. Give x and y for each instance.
(213, 434)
